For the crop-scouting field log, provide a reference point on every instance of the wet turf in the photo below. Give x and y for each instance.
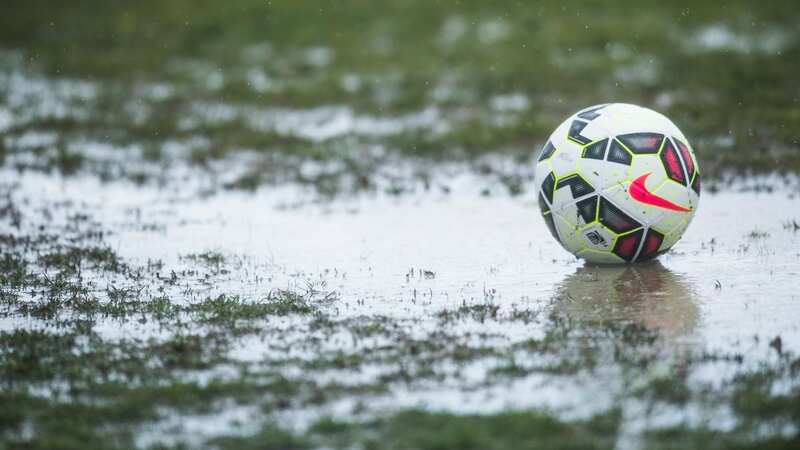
(198, 97)
(70, 384)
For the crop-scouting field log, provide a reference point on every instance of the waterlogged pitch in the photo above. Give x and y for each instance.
(306, 225)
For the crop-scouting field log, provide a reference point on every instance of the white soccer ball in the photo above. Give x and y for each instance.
(617, 183)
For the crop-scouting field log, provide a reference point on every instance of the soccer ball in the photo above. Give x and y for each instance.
(617, 183)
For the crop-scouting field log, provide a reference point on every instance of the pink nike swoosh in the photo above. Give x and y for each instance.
(639, 192)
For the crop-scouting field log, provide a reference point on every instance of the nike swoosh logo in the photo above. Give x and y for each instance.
(639, 192)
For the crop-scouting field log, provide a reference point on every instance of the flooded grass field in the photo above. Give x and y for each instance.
(302, 225)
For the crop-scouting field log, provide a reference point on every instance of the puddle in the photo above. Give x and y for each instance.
(729, 279)
(461, 246)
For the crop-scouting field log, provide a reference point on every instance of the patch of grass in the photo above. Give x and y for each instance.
(82, 358)
(753, 398)
(269, 438)
(681, 437)
(482, 312)
(669, 389)
(479, 312)
(71, 260)
(209, 258)
(427, 431)
(757, 235)
(13, 271)
(512, 430)
(225, 311)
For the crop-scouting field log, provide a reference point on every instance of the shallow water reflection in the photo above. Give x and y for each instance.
(647, 294)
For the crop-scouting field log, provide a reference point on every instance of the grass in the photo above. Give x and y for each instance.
(249, 57)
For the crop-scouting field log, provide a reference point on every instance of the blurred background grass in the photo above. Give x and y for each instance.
(725, 72)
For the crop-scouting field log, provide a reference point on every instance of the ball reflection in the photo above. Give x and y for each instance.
(648, 294)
